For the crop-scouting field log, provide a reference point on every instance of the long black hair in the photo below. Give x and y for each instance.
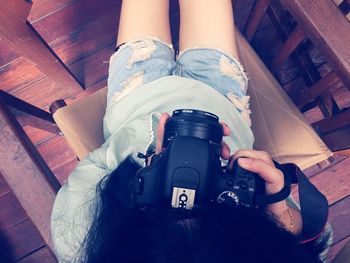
(120, 233)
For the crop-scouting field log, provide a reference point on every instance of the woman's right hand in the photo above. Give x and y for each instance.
(260, 162)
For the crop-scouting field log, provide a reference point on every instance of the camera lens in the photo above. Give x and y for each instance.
(193, 123)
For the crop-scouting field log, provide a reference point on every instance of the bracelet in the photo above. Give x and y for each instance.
(291, 218)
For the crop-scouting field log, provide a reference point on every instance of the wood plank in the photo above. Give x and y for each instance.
(337, 140)
(342, 96)
(56, 152)
(22, 37)
(7, 54)
(313, 115)
(291, 43)
(6, 252)
(4, 187)
(12, 77)
(334, 250)
(330, 36)
(11, 211)
(90, 90)
(23, 167)
(93, 68)
(42, 93)
(24, 238)
(43, 255)
(73, 17)
(86, 40)
(255, 17)
(62, 172)
(338, 121)
(339, 218)
(333, 182)
(301, 59)
(44, 8)
(324, 84)
(38, 136)
(315, 169)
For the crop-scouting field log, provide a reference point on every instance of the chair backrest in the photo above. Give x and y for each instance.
(327, 27)
(278, 126)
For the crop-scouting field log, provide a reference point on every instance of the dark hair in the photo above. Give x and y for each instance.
(120, 233)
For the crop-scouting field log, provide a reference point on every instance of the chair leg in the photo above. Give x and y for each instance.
(28, 114)
(26, 172)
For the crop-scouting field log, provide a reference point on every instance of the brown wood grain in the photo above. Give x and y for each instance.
(38, 136)
(342, 96)
(333, 182)
(93, 68)
(339, 215)
(340, 120)
(22, 37)
(255, 17)
(56, 152)
(73, 17)
(292, 42)
(330, 80)
(7, 54)
(318, 168)
(26, 173)
(334, 250)
(44, 8)
(62, 172)
(86, 40)
(337, 140)
(42, 93)
(4, 187)
(328, 29)
(11, 211)
(12, 77)
(24, 238)
(43, 255)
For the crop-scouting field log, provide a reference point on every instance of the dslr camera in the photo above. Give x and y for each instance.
(188, 173)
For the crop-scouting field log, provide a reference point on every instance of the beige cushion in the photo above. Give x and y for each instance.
(278, 126)
(82, 122)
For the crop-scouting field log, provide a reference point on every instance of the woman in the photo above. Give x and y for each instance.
(90, 221)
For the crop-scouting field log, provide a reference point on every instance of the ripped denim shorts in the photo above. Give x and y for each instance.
(142, 61)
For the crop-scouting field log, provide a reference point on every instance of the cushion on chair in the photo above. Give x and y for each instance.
(81, 122)
(278, 126)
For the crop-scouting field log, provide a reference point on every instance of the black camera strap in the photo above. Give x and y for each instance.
(313, 204)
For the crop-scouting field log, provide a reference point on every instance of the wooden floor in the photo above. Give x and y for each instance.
(83, 34)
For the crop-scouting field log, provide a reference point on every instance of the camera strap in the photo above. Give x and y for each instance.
(313, 204)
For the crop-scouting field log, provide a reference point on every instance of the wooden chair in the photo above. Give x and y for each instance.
(327, 27)
(278, 125)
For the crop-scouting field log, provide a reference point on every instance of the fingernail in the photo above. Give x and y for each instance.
(244, 161)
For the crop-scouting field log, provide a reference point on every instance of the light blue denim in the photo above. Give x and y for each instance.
(156, 59)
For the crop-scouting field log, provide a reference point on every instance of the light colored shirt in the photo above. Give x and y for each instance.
(130, 126)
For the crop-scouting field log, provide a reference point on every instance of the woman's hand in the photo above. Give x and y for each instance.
(261, 163)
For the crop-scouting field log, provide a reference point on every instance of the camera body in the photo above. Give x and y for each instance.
(188, 172)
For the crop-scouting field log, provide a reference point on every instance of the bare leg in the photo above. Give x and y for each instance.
(141, 18)
(207, 23)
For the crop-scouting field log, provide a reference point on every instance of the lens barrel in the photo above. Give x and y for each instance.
(193, 123)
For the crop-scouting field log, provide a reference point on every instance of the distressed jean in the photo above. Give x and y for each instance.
(141, 61)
